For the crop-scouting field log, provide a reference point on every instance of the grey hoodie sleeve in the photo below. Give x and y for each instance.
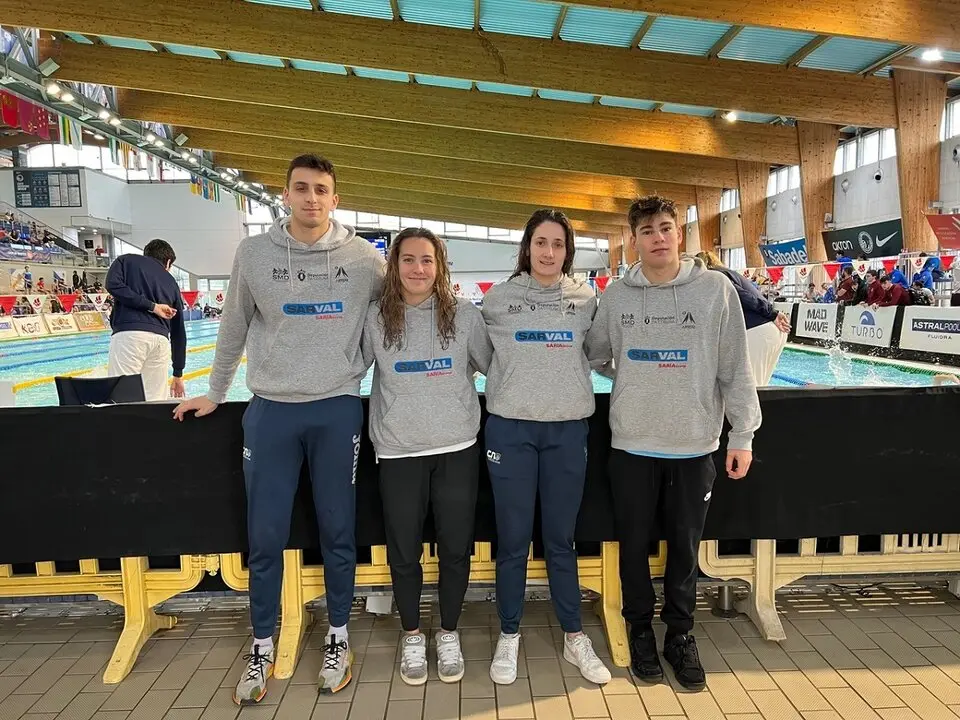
(238, 310)
(598, 346)
(737, 386)
(479, 347)
(379, 271)
(369, 336)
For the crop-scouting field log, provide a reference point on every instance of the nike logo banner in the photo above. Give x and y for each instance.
(877, 240)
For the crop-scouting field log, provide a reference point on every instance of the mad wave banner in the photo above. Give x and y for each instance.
(791, 252)
(918, 262)
(947, 230)
(877, 240)
(817, 321)
(931, 329)
(865, 326)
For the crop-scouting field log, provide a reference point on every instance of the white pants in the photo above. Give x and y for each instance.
(136, 352)
(765, 343)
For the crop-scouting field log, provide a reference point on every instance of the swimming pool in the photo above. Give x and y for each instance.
(29, 364)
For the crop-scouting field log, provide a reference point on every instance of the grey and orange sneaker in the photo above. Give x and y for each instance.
(253, 683)
(336, 672)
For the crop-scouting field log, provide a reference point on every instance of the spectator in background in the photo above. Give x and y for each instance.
(27, 278)
(898, 278)
(920, 294)
(55, 305)
(893, 293)
(811, 295)
(829, 293)
(83, 280)
(147, 320)
(41, 285)
(875, 290)
(933, 265)
(847, 292)
(845, 262)
(76, 280)
(925, 276)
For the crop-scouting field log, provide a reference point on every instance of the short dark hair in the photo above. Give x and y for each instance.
(536, 220)
(161, 251)
(874, 273)
(847, 270)
(314, 162)
(886, 278)
(648, 206)
(813, 285)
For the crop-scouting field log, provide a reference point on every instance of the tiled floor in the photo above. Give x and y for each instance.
(890, 653)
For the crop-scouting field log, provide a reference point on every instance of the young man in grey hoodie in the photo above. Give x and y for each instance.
(297, 299)
(677, 338)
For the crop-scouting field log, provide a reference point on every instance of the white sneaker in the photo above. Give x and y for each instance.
(449, 657)
(578, 650)
(503, 669)
(413, 659)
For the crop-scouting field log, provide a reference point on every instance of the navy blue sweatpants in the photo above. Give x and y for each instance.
(277, 437)
(522, 457)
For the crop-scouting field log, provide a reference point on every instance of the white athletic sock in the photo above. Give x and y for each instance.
(340, 632)
(266, 646)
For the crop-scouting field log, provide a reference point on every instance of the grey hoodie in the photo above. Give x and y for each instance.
(680, 351)
(423, 396)
(539, 370)
(299, 309)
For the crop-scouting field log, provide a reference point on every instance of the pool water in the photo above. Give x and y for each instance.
(28, 360)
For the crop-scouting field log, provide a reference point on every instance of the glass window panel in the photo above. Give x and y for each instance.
(90, 157)
(477, 231)
(888, 144)
(794, 177)
(499, 232)
(870, 148)
(850, 156)
(782, 180)
(516, 235)
(406, 222)
(435, 226)
(368, 219)
(455, 228)
(838, 161)
(389, 222)
(40, 156)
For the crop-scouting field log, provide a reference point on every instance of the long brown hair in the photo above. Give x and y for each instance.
(392, 305)
(535, 221)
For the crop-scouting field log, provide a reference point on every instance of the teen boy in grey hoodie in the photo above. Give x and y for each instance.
(677, 338)
(297, 299)
(424, 419)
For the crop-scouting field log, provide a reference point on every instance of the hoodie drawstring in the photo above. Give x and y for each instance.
(529, 286)
(676, 305)
(289, 268)
(329, 279)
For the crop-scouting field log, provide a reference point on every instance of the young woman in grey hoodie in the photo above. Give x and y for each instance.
(539, 395)
(424, 420)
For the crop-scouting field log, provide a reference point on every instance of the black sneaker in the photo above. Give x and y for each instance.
(681, 652)
(644, 659)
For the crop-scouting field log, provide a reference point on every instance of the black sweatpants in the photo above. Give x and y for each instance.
(408, 487)
(673, 494)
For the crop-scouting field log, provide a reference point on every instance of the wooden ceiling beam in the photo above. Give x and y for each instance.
(932, 23)
(270, 155)
(427, 140)
(728, 37)
(805, 51)
(823, 96)
(886, 60)
(326, 92)
(940, 68)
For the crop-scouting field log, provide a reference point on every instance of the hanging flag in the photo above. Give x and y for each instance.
(114, 151)
(7, 302)
(9, 109)
(946, 261)
(34, 119)
(484, 286)
(218, 299)
(67, 301)
(831, 269)
(746, 272)
(918, 262)
(889, 264)
(76, 135)
(189, 297)
(63, 128)
(98, 300)
(803, 273)
(861, 267)
(601, 281)
(36, 302)
(238, 198)
(774, 273)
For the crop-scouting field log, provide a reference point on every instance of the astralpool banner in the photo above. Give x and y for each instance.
(877, 240)
(817, 321)
(7, 330)
(865, 326)
(931, 329)
(791, 252)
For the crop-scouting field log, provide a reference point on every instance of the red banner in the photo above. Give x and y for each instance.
(8, 109)
(484, 286)
(946, 261)
(34, 119)
(601, 281)
(774, 273)
(7, 302)
(947, 230)
(889, 264)
(189, 297)
(67, 301)
(831, 269)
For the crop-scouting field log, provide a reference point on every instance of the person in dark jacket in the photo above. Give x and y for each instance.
(893, 293)
(875, 290)
(147, 320)
(767, 328)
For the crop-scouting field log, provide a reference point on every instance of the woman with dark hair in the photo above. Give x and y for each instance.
(424, 420)
(539, 396)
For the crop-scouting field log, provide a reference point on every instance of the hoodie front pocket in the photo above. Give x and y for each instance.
(648, 411)
(427, 420)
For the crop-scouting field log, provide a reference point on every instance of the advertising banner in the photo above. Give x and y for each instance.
(7, 328)
(89, 321)
(947, 230)
(931, 329)
(817, 321)
(30, 326)
(791, 252)
(61, 324)
(14, 254)
(865, 326)
(877, 240)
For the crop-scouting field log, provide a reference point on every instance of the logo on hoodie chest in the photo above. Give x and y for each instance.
(547, 338)
(332, 310)
(435, 367)
(304, 276)
(665, 359)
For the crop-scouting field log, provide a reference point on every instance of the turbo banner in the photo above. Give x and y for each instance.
(877, 240)
(865, 326)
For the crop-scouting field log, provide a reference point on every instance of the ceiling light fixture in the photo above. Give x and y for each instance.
(730, 116)
(53, 89)
(225, 176)
(115, 121)
(932, 55)
(150, 137)
(67, 97)
(97, 136)
(158, 143)
(193, 160)
(104, 114)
